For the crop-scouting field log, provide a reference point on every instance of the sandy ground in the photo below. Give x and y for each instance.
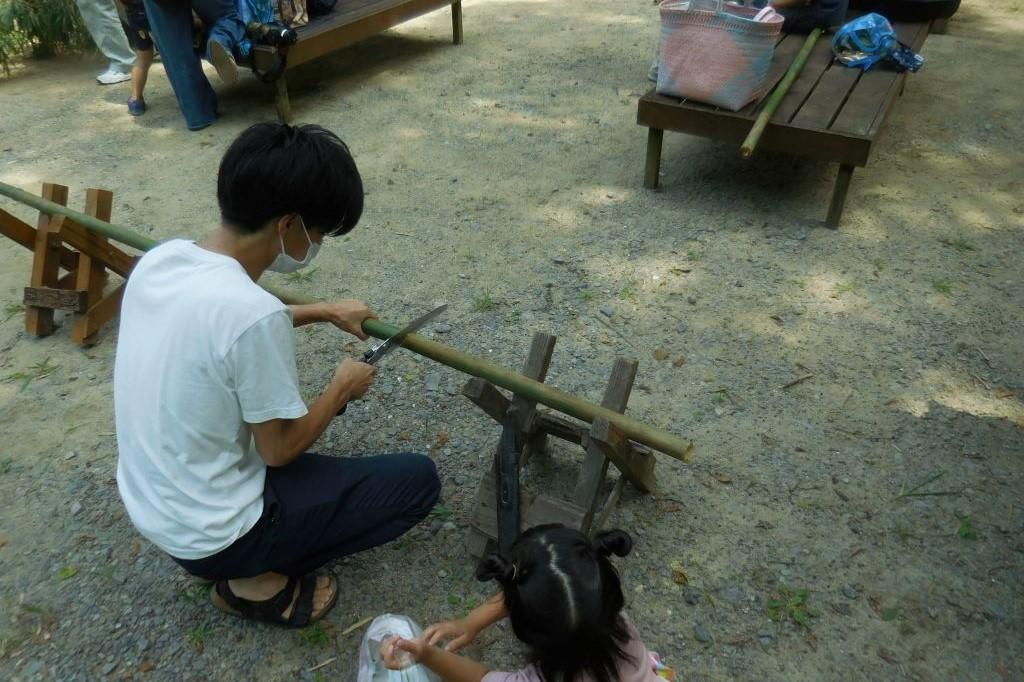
(503, 177)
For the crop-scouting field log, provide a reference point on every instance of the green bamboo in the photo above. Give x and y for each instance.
(119, 234)
(636, 430)
(530, 389)
(749, 144)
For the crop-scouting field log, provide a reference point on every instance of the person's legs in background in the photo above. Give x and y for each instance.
(142, 42)
(171, 24)
(104, 25)
(225, 30)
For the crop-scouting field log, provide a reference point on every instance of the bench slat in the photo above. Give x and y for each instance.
(877, 88)
(785, 52)
(827, 98)
(804, 84)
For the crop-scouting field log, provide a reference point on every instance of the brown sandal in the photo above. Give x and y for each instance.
(272, 610)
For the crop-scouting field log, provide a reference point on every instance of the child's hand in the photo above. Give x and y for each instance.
(397, 652)
(459, 633)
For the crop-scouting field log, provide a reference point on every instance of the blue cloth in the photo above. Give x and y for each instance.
(261, 11)
(170, 23)
(319, 508)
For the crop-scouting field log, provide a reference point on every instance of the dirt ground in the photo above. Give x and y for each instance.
(504, 178)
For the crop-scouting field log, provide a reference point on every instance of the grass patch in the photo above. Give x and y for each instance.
(484, 302)
(791, 604)
(958, 243)
(301, 276)
(843, 288)
(943, 286)
(628, 291)
(12, 310)
(692, 256)
(67, 573)
(195, 593)
(197, 637)
(5, 464)
(966, 529)
(35, 372)
(315, 635)
(586, 295)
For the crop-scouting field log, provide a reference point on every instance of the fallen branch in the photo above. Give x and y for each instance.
(798, 380)
(322, 665)
(355, 626)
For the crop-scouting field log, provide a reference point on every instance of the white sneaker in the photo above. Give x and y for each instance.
(113, 75)
(224, 63)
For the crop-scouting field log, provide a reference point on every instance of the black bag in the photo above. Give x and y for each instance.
(909, 10)
(318, 8)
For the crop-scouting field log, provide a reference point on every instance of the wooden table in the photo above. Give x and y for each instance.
(350, 22)
(832, 112)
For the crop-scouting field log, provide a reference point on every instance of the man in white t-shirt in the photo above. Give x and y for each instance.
(212, 430)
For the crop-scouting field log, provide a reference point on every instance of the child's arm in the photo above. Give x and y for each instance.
(450, 667)
(463, 631)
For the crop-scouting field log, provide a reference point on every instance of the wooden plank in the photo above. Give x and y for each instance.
(23, 233)
(665, 113)
(102, 251)
(835, 207)
(655, 138)
(343, 29)
(536, 510)
(92, 276)
(45, 262)
(105, 310)
(538, 360)
(637, 468)
(897, 88)
(804, 84)
(827, 98)
(56, 299)
(876, 88)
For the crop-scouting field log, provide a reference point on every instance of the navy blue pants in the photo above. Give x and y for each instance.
(320, 508)
(170, 23)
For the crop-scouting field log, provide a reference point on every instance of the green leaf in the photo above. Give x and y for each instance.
(67, 572)
(966, 530)
(889, 614)
(799, 616)
(775, 604)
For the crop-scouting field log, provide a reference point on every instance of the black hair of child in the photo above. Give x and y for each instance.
(274, 169)
(565, 601)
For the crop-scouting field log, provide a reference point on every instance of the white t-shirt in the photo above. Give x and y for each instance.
(202, 352)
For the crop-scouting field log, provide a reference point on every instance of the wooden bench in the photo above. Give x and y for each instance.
(832, 112)
(350, 22)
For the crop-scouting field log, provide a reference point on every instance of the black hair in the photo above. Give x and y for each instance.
(273, 169)
(565, 601)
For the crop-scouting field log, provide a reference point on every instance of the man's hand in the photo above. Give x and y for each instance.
(348, 316)
(458, 633)
(354, 377)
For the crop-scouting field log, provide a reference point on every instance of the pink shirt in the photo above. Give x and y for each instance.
(641, 670)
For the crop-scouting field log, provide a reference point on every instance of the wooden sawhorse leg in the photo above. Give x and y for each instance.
(457, 22)
(835, 208)
(654, 139)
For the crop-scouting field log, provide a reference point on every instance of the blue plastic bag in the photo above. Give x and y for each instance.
(870, 39)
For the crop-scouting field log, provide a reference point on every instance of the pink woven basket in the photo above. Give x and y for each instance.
(715, 53)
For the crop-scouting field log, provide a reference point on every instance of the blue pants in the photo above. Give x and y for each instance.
(170, 23)
(319, 508)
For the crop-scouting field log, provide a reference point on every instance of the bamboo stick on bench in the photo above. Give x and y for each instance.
(749, 144)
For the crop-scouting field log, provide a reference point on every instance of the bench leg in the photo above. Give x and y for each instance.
(457, 22)
(284, 105)
(835, 209)
(939, 26)
(654, 138)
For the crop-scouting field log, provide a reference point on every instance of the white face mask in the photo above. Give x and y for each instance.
(285, 263)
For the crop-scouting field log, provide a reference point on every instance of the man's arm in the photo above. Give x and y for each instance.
(345, 315)
(279, 441)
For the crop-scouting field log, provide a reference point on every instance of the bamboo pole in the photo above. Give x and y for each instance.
(636, 430)
(749, 144)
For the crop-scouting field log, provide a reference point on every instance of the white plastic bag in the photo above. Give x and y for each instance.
(371, 667)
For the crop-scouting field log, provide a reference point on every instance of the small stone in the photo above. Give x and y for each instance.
(143, 644)
(700, 634)
(34, 667)
(607, 311)
(739, 283)
(449, 526)
(850, 592)
(433, 381)
(559, 259)
(732, 594)
(463, 275)
(387, 390)
(442, 573)
(765, 634)
(692, 596)
(451, 389)
(109, 667)
(933, 612)
(70, 454)
(76, 507)
(443, 328)
(692, 300)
